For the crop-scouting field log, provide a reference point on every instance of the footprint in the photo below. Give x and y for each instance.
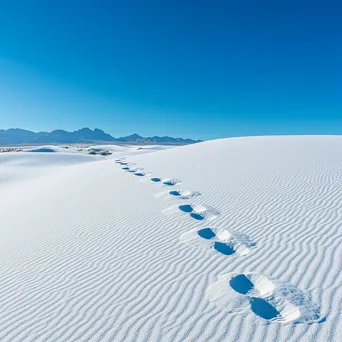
(270, 300)
(125, 163)
(264, 309)
(220, 240)
(206, 233)
(120, 160)
(142, 173)
(166, 181)
(184, 194)
(253, 284)
(134, 169)
(187, 208)
(241, 284)
(199, 212)
(224, 248)
(171, 181)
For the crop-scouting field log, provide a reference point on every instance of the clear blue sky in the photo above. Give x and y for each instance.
(201, 69)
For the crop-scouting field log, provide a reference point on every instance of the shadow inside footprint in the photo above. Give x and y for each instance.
(197, 216)
(169, 183)
(174, 193)
(206, 233)
(264, 309)
(186, 208)
(156, 180)
(139, 174)
(241, 284)
(223, 248)
(125, 168)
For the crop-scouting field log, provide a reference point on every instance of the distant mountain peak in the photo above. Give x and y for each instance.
(17, 136)
(85, 129)
(134, 136)
(98, 130)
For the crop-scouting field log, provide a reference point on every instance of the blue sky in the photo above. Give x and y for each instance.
(201, 69)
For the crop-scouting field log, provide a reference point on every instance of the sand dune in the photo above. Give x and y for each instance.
(226, 240)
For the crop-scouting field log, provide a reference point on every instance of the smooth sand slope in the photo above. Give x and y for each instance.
(227, 240)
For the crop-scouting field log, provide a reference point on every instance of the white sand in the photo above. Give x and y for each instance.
(92, 252)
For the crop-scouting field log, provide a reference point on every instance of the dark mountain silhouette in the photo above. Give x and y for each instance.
(17, 136)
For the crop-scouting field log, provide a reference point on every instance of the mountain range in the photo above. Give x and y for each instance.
(17, 136)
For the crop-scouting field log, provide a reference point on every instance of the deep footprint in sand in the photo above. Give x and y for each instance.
(184, 194)
(206, 233)
(124, 162)
(241, 284)
(142, 173)
(220, 240)
(224, 248)
(134, 169)
(267, 299)
(264, 309)
(199, 212)
(120, 160)
(171, 181)
(254, 284)
(166, 181)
